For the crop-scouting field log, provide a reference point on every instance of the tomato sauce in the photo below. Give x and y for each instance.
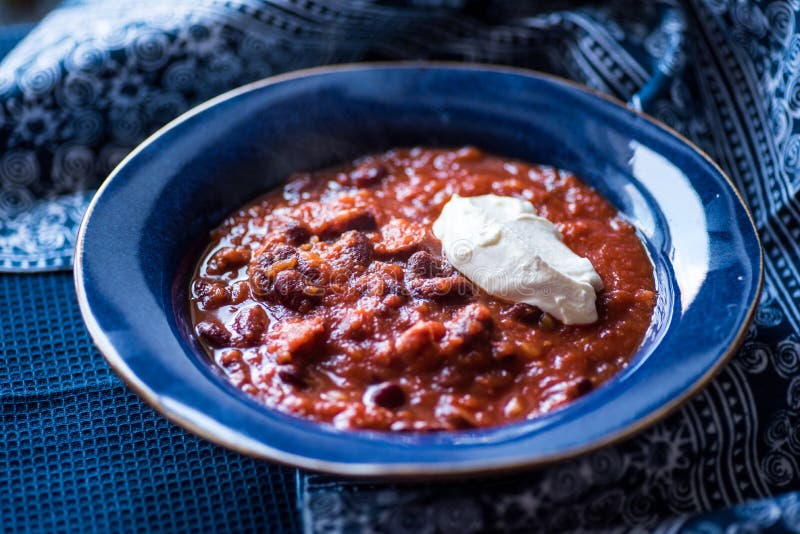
(329, 298)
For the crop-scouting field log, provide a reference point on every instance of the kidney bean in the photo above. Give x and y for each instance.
(423, 264)
(269, 261)
(297, 233)
(548, 323)
(249, 324)
(387, 395)
(578, 387)
(239, 292)
(210, 295)
(292, 375)
(525, 313)
(356, 248)
(214, 333)
(228, 259)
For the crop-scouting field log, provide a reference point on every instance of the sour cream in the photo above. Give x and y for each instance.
(506, 249)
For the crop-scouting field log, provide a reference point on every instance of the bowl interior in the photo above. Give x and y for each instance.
(167, 196)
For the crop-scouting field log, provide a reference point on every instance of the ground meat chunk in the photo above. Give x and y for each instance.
(356, 324)
(420, 339)
(228, 259)
(400, 236)
(440, 288)
(472, 323)
(295, 339)
(423, 264)
(280, 274)
(231, 358)
(268, 262)
(455, 416)
(316, 272)
(431, 277)
(352, 250)
(347, 219)
(294, 291)
(381, 280)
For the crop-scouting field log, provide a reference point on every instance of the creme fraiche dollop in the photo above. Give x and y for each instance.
(506, 249)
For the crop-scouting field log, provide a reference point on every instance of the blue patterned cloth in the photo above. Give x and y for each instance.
(79, 453)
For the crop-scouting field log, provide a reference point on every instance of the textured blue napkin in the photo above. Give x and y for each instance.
(78, 452)
(81, 453)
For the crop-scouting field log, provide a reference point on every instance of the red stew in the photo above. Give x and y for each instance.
(330, 299)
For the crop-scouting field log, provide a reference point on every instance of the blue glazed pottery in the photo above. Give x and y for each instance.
(149, 222)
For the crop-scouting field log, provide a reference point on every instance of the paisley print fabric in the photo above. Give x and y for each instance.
(96, 77)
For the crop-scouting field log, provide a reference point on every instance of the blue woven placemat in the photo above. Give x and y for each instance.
(80, 453)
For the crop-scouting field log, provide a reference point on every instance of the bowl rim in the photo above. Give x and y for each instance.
(259, 450)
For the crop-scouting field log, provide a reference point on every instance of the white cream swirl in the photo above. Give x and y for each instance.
(506, 249)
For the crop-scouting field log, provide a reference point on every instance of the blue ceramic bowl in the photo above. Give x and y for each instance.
(148, 224)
